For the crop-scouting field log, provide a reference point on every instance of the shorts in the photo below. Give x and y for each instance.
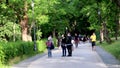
(93, 44)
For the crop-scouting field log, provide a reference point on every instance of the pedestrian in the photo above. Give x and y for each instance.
(93, 41)
(49, 43)
(63, 45)
(69, 44)
(50, 38)
(76, 39)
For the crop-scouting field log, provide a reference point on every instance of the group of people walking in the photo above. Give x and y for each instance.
(67, 45)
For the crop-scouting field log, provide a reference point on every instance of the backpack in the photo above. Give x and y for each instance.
(50, 45)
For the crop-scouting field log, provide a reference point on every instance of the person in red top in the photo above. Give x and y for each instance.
(48, 44)
(76, 39)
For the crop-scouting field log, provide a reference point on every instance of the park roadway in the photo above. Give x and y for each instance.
(83, 57)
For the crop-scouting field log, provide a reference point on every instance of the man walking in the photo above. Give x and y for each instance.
(69, 44)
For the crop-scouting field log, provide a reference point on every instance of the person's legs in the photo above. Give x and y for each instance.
(69, 50)
(93, 46)
(76, 44)
(64, 51)
(49, 53)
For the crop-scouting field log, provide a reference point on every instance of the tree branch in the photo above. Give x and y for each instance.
(117, 2)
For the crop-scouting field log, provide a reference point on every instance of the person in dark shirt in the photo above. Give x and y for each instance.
(63, 46)
(69, 44)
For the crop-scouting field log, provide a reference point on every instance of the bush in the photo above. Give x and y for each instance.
(1, 54)
(41, 46)
(10, 50)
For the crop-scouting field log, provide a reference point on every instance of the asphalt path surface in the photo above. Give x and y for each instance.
(82, 57)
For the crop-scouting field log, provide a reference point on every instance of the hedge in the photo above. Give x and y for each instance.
(10, 50)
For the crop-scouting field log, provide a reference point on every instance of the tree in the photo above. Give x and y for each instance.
(53, 16)
(7, 20)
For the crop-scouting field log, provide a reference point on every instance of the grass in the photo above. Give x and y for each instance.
(16, 60)
(113, 48)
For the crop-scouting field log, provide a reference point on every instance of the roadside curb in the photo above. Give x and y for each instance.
(107, 58)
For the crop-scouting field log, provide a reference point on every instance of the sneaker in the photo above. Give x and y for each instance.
(69, 55)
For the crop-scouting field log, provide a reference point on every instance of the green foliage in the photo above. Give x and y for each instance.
(39, 34)
(2, 55)
(55, 41)
(49, 14)
(7, 22)
(11, 50)
(8, 29)
(41, 45)
(110, 16)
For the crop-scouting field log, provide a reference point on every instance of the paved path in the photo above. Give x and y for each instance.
(83, 57)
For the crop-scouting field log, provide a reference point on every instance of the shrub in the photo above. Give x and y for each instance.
(10, 50)
(1, 54)
(41, 46)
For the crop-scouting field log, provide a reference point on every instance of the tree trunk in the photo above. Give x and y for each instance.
(117, 23)
(24, 28)
(7, 2)
(119, 20)
(24, 25)
(117, 2)
(54, 33)
(117, 29)
(101, 35)
(106, 34)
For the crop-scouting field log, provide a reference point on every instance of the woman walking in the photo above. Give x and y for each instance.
(93, 40)
(63, 45)
(49, 44)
